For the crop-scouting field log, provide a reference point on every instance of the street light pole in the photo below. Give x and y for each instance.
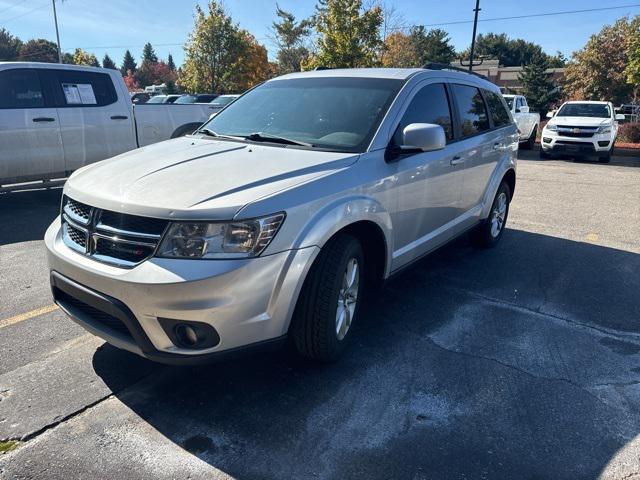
(55, 19)
(473, 40)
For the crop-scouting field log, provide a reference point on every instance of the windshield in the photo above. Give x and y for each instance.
(186, 99)
(331, 113)
(596, 110)
(157, 99)
(223, 100)
(510, 102)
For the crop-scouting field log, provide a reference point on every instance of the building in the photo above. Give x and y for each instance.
(508, 78)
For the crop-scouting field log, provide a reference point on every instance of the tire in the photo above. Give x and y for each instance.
(489, 232)
(531, 141)
(315, 326)
(185, 130)
(607, 157)
(544, 155)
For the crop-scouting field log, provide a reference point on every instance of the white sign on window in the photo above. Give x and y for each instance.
(79, 94)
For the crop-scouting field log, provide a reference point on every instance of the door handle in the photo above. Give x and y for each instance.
(119, 117)
(44, 119)
(456, 160)
(497, 146)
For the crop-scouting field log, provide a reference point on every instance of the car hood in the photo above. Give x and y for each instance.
(198, 178)
(579, 121)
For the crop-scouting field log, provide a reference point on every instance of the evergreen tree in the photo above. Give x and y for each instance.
(541, 93)
(431, 46)
(170, 63)
(9, 46)
(149, 54)
(108, 63)
(290, 37)
(128, 64)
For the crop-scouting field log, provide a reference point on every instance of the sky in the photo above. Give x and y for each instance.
(113, 26)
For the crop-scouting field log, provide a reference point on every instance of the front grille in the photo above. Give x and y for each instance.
(110, 237)
(576, 132)
(108, 321)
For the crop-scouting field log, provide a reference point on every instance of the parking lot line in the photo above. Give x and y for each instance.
(26, 316)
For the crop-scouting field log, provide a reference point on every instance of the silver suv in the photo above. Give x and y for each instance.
(282, 213)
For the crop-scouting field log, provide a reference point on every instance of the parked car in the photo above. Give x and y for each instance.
(57, 118)
(223, 100)
(283, 213)
(197, 98)
(140, 97)
(164, 99)
(581, 129)
(528, 122)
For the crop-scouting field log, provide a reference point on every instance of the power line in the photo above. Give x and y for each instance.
(12, 6)
(10, 19)
(548, 14)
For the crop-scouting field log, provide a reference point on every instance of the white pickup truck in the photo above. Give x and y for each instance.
(57, 118)
(528, 122)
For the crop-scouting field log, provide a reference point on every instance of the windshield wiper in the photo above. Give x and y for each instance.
(211, 133)
(262, 137)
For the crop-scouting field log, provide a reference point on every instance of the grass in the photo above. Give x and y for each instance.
(8, 446)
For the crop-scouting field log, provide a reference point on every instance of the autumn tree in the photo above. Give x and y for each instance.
(9, 46)
(81, 57)
(108, 63)
(130, 81)
(600, 70)
(348, 35)
(128, 64)
(252, 68)
(39, 50)
(398, 51)
(541, 93)
(212, 51)
(290, 36)
(155, 73)
(633, 51)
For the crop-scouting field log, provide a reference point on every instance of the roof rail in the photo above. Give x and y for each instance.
(444, 66)
(322, 68)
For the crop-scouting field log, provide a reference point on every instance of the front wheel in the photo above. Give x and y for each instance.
(330, 299)
(531, 141)
(490, 231)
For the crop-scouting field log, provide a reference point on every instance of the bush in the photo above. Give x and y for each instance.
(629, 133)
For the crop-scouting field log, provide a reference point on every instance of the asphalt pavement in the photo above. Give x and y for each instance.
(518, 362)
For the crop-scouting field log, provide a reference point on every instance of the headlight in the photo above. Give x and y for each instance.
(551, 128)
(200, 240)
(604, 129)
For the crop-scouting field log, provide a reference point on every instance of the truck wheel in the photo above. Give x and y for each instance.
(531, 141)
(329, 301)
(607, 158)
(185, 130)
(489, 232)
(544, 155)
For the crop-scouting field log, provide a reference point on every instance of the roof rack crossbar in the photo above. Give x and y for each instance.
(444, 66)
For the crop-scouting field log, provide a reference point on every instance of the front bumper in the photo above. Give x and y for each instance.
(248, 302)
(597, 144)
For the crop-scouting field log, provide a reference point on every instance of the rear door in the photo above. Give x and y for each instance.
(481, 145)
(95, 120)
(30, 142)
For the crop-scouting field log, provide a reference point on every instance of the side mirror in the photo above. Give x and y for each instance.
(525, 109)
(423, 136)
(620, 117)
(550, 114)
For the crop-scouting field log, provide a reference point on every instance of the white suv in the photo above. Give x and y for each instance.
(279, 215)
(581, 129)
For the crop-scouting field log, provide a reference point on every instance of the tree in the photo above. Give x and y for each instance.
(431, 45)
(252, 68)
(39, 50)
(67, 58)
(600, 70)
(80, 57)
(170, 63)
(633, 48)
(510, 53)
(211, 51)
(348, 35)
(541, 93)
(154, 74)
(108, 63)
(9, 46)
(130, 81)
(399, 51)
(128, 64)
(290, 37)
(149, 54)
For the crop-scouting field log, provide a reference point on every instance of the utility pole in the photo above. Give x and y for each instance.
(473, 40)
(55, 19)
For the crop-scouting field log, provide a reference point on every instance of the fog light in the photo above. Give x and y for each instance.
(546, 140)
(187, 335)
(190, 334)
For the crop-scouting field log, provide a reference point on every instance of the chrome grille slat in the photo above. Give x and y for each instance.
(99, 234)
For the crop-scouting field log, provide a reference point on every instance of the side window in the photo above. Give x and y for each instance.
(471, 110)
(85, 89)
(498, 109)
(518, 104)
(429, 105)
(20, 89)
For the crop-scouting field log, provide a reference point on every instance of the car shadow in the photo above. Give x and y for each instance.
(619, 160)
(26, 215)
(405, 403)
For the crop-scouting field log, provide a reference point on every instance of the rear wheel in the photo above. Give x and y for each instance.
(329, 300)
(490, 231)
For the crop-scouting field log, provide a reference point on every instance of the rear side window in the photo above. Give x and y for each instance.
(430, 105)
(84, 89)
(20, 89)
(498, 109)
(471, 110)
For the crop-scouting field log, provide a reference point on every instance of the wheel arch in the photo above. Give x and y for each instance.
(185, 129)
